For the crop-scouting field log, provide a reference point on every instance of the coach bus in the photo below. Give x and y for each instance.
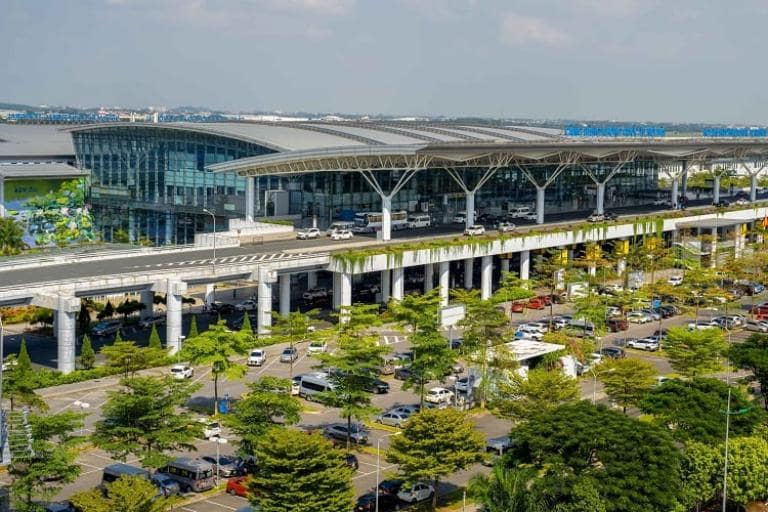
(367, 222)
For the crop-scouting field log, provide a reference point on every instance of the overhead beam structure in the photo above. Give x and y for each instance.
(601, 180)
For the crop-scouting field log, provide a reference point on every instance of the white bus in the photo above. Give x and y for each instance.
(367, 222)
(314, 383)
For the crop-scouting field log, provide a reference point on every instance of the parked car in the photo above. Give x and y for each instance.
(506, 227)
(408, 410)
(289, 355)
(210, 428)
(165, 484)
(464, 384)
(611, 216)
(394, 419)
(391, 486)
(358, 434)
(182, 371)
(227, 466)
(438, 395)
(296, 384)
(474, 230)
(518, 307)
(723, 203)
(308, 234)
(350, 459)
(315, 293)
(756, 325)
(247, 305)
(702, 324)
(530, 216)
(221, 308)
(617, 324)
(403, 373)
(146, 323)
(238, 486)
(377, 386)
(520, 212)
(387, 503)
(257, 357)
(341, 234)
(613, 352)
(528, 331)
(596, 217)
(675, 280)
(417, 492)
(105, 327)
(638, 317)
(556, 321)
(648, 344)
(317, 347)
(536, 303)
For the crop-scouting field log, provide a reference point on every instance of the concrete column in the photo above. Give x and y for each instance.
(753, 187)
(148, 299)
(345, 289)
(713, 250)
(131, 226)
(600, 208)
(675, 193)
(504, 265)
(336, 290)
(486, 277)
(621, 266)
(716, 189)
(285, 294)
(540, 195)
(525, 264)
(469, 267)
(429, 277)
(173, 292)
(250, 198)
(470, 220)
(386, 285)
(386, 218)
(311, 280)
(445, 281)
(210, 294)
(66, 313)
(398, 283)
(264, 294)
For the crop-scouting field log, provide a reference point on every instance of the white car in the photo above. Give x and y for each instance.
(416, 492)
(474, 230)
(741, 202)
(596, 217)
(649, 344)
(210, 428)
(638, 317)
(520, 212)
(308, 234)
(460, 218)
(317, 347)
(392, 418)
(182, 371)
(506, 227)
(341, 234)
(528, 332)
(530, 216)
(702, 324)
(257, 357)
(756, 326)
(675, 280)
(438, 395)
(247, 305)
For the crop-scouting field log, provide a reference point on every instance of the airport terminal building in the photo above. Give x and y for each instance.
(155, 181)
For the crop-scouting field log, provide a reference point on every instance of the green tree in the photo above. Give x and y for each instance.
(485, 331)
(145, 418)
(154, 339)
(267, 404)
(40, 471)
(127, 356)
(634, 466)
(697, 352)
(591, 308)
(300, 472)
(19, 382)
(520, 397)
(512, 288)
(504, 489)
(747, 470)
(700, 465)
(126, 494)
(627, 380)
(436, 443)
(193, 332)
(11, 237)
(752, 354)
(107, 312)
(355, 364)
(219, 348)
(694, 410)
(295, 328)
(87, 355)
(246, 327)
(84, 316)
(129, 307)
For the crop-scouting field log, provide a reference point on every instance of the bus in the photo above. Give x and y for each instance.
(367, 222)
(191, 474)
(314, 383)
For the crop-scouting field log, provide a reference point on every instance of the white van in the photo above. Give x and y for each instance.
(419, 221)
(339, 226)
(519, 212)
(314, 383)
(460, 218)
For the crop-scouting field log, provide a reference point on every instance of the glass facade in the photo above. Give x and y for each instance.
(150, 184)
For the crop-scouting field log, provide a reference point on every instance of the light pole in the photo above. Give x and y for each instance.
(181, 344)
(83, 407)
(378, 464)
(219, 441)
(213, 261)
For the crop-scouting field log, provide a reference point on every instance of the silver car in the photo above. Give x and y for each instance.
(393, 419)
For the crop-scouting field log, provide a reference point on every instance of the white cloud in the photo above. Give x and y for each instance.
(519, 30)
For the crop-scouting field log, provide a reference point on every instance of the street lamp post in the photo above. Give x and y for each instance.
(213, 261)
(219, 441)
(378, 464)
(82, 406)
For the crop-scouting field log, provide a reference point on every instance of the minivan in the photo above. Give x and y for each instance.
(115, 471)
(419, 221)
(339, 226)
(519, 212)
(192, 474)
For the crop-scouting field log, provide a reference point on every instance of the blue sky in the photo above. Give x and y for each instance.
(679, 60)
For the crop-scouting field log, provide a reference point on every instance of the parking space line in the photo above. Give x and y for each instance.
(220, 505)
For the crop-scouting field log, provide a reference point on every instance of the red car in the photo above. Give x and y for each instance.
(518, 307)
(546, 299)
(536, 303)
(238, 486)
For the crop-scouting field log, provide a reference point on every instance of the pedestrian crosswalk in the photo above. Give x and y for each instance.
(230, 260)
(392, 339)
